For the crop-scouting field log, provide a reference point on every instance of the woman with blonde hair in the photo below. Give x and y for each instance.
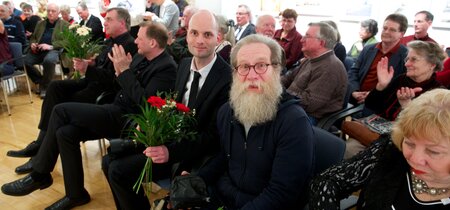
(226, 37)
(410, 169)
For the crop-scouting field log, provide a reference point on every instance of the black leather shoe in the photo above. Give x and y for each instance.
(25, 168)
(26, 185)
(29, 151)
(68, 203)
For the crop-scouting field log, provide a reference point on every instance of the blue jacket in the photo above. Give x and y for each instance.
(361, 66)
(271, 168)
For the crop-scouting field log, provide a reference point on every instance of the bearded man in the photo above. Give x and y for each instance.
(266, 158)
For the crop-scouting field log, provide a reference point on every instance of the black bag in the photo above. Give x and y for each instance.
(188, 191)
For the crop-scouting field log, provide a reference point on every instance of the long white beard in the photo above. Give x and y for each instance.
(252, 108)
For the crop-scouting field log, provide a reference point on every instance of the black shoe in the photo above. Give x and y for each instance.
(25, 168)
(26, 185)
(68, 203)
(29, 151)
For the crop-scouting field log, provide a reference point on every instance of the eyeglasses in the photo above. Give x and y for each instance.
(260, 68)
(307, 36)
(412, 59)
(241, 13)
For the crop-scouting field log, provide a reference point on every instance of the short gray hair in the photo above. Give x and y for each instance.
(326, 33)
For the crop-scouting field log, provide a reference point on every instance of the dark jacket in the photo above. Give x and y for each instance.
(385, 102)
(143, 79)
(212, 95)
(362, 65)
(16, 32)
(269, 169)
(95, 24)
(101, 77)
(248, 31)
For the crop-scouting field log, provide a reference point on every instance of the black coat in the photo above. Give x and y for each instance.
(97, 28)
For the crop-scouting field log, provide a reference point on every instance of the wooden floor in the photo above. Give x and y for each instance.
(19, 129)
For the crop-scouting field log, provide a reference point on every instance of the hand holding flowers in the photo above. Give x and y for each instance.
(162, 121)
(77, 43)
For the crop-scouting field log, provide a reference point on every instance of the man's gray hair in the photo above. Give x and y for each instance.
(326, 33)
(276, 55)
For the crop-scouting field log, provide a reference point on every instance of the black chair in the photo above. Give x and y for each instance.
(330, 150)
(20, 71)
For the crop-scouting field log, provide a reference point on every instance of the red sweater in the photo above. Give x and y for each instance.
(444, 76)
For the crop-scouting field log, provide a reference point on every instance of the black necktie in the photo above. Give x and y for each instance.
(194, 90)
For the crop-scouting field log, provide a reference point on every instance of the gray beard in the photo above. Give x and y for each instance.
(252, 108)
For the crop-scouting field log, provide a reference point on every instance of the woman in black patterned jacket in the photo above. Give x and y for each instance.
(408, 170)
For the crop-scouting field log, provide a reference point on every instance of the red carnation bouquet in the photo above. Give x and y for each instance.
(161, 121)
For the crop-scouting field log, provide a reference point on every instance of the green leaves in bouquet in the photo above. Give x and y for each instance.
(77, 42)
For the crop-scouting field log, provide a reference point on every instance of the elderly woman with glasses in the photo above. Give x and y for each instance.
(410, 169)
(393, 94)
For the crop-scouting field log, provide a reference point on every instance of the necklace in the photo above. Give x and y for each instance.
(419, 186)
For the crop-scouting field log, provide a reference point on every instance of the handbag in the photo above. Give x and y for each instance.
(188, 191)
(360, 132)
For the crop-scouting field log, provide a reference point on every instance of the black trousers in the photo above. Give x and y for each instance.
(123, 172)
(71, 123)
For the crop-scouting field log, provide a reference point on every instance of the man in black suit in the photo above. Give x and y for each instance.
(99, 78)
(151, 71)
(244, 25)
(90, 21)
(212, 91)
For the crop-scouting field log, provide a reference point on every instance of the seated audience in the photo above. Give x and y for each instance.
(168, 15)
(206, 74)
(65, 14)
(12, 25)
(265, 25)
(363, 74)
(144, 75)
(99, 77)
(267, 147)
(90, 21)
(177, 46)
(289, 38)
(367, 32)
(45, 46)
(5, 52)
(339, 48)
(244, 25)
(391, 95)
(422, 22)
(226, 37)
(408, 169)
(29, 20)
(321, 79)
(14, 11)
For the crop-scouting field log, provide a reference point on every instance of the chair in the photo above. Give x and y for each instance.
(20, 71)
(330, 150)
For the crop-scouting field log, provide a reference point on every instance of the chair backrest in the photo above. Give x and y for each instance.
(329, 149)
(16, 51)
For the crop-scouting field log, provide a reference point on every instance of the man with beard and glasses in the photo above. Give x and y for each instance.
(267, 149)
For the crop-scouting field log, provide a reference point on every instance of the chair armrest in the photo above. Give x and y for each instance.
(326, 123)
